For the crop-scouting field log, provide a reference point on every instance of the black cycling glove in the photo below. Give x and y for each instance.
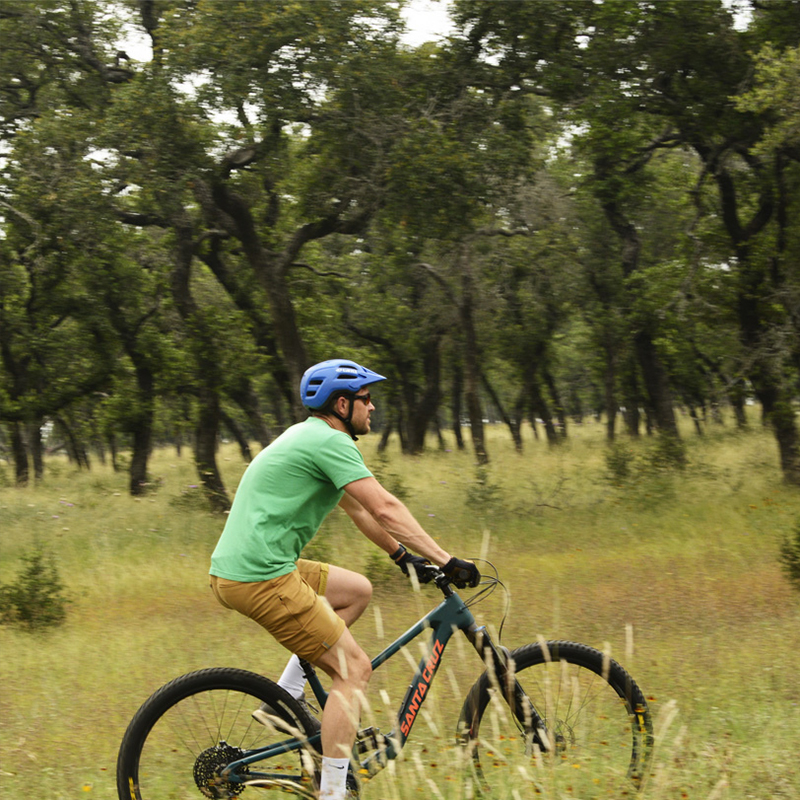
(404, 560)
(462, 573)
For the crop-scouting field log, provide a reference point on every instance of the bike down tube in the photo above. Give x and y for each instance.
(449, 616)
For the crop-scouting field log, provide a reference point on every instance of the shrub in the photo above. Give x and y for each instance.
(36, 599)
(667, 454)
(381, 570)
(619, 462)
(789, 558)
(484, 496)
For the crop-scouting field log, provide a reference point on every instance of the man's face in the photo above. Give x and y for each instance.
(362, 408)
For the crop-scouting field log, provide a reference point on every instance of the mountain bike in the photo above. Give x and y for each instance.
(553, 708)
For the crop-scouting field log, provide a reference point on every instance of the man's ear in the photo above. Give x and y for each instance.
(341, 404)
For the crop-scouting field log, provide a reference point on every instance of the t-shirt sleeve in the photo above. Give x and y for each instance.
(342, 461)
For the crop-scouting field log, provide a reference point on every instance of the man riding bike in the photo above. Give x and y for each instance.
(284, 496)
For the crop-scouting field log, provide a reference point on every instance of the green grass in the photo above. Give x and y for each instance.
(676, 572)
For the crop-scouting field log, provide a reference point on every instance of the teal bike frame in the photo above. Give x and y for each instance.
(450, 615)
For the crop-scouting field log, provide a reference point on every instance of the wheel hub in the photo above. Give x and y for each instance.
(209, 765)
(564, 737)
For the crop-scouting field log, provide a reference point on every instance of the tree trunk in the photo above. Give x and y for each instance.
(654, 375)
(779, 412)
(736, 396)
(35, 444)
(112, 446)
(385, 434)
(246, 398)
(236, 431)
(455, 404)
(207, 369)
(75, 448)
(472, 368)
(142, 430)
(698, 426)
(271, 271)
(512, 424)
(656, 383)
(784, 424)
(19, 453)
(539, 406)
(422, 411)
(759, 281)
(205, 454)
(561, 415)
(609, 393)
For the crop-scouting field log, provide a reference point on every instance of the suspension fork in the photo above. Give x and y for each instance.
(500, 667)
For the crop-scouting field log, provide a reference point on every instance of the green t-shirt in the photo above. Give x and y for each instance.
(284, 495)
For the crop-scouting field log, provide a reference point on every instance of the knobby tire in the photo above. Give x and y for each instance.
(192, 727)
(596, 719)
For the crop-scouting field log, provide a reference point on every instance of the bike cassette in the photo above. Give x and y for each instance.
(207, 770)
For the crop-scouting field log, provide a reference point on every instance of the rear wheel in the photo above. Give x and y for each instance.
(596, 718)
(182, 738)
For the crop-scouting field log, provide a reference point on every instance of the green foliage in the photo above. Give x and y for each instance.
(36, 599)
(789, 558)
(661, 455)
(667, 453)
(389, 478)
(330, 189)
(484, 496)
(191, 498)
(619, 458)
(381, 570)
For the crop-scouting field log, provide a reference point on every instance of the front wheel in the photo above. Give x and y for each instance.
(180, 741)
(597, 725)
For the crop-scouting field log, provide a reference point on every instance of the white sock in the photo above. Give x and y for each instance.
(293, 678)
(333, 784)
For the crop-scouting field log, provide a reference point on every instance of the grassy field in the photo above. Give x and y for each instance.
(675, 571)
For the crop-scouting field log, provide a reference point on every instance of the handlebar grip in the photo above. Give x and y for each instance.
(461, 576)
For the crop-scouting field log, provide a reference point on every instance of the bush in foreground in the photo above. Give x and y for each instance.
(36, 599)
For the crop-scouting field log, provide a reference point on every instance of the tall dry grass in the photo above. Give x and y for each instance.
(675, 571)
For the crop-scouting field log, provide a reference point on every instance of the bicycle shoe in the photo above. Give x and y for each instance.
(265, 710)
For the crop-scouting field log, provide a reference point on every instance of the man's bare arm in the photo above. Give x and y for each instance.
(386, 521)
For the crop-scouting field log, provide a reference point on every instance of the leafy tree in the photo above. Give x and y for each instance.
(644, 78)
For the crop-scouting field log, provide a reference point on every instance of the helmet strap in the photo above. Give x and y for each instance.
(348, 420)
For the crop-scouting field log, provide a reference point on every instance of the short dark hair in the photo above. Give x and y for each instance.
(331, 402)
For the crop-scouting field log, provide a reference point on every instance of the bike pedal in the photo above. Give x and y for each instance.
(368, 739)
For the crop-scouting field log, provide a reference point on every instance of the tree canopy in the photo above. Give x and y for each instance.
(557, 210)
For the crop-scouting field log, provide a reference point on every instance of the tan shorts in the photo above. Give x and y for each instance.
(292, 608)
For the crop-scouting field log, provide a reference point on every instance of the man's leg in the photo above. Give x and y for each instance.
(349, 594)
(350, 669)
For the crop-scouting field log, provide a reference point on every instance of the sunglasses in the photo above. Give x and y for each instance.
(365, 398)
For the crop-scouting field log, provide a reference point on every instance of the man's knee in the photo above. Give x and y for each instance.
(363, 589)
(348, 590)
(347, 661)
(358, 668)
(363, 667)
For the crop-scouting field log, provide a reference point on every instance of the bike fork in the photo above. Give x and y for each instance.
(500, 667)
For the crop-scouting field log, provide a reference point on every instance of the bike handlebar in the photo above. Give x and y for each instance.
(445, 582)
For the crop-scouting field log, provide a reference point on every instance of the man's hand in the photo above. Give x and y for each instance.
(404, 560)
(462, 573)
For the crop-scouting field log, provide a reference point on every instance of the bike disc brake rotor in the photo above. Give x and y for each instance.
(207, 770)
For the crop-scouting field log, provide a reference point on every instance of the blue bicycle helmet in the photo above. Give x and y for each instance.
(336, 375)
